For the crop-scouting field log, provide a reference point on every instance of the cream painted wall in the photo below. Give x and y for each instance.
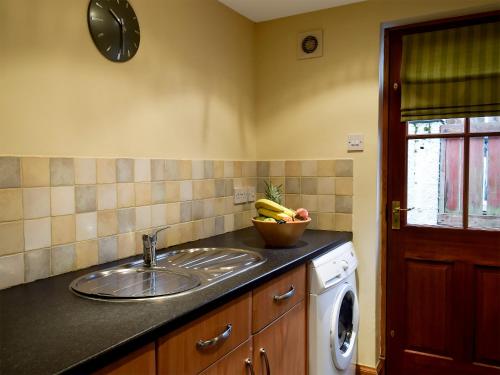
(306, 109)
(188, 93)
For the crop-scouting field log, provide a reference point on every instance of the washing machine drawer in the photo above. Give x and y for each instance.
(276, 297)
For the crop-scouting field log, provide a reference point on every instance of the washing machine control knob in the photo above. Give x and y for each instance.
(345, 265)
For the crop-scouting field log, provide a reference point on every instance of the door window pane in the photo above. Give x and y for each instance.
(484, 182)
(435, 181)
(445, 126)
(485, 124)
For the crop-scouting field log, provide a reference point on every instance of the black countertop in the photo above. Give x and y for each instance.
(46, 329)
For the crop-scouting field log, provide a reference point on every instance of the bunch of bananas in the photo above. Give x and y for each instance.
(272, 211)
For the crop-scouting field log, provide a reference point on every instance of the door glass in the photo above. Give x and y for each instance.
(445, 126)
(485, 124)
(434, 181)
(484, 182)
(345, 324)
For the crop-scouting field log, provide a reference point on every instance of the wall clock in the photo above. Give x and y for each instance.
(114, 28)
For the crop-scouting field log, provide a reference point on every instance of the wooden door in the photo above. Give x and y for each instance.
(283, 342)
(237, 362)
(443, 264)
(140, 362)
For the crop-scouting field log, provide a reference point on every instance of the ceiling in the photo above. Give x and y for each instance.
(264, 10)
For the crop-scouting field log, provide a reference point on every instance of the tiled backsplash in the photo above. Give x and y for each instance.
(62, 214)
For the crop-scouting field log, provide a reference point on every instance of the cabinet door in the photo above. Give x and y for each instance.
(277, 296)
(234, 363)
(140, 362)
(180, 352)
(284, 343)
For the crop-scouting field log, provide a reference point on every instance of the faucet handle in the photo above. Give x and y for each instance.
(153, 237)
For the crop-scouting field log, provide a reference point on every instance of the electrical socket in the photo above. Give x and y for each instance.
(251, 194)
(240, 195)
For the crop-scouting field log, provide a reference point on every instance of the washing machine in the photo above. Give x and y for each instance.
(333, 312)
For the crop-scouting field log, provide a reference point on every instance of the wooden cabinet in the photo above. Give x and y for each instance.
(182, 351)
(140, 362)
(234, 363)
(283, 343)
(273, 299)
(267, 323)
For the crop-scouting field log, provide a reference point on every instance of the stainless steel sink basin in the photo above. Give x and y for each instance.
(177, 273)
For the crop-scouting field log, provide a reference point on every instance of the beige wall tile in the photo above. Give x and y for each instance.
(10, 172)
(203, 189)
(11, 237)
(185, 214)
(125, 170)
(277, 181)
(219, 225)
(186, 190)
(86, 198)
(344, 168)
(107, 223)
(344, 186)
(125, 195)
(197, 210)
(309, 168)
(326, 168)
(157, 170)
(309, 185)
(36, 264)
(209, 168)
(159, 215)
(209, 227)
(208, 208)
(62, 200)
(63, 259)
(343, 222)
(173, 191)
(249, 169)
(173, 213)
(106, 171)
(35, 172)
(198, 169)
(184, 169)
(326, 203)
(86, 226)
(293, 201)
(11, 206)
(126, 220)
(138, 240)
(142, 170)
(229, 187)
(229, 205)
(11, 270)
(292, 185)
(171, 170)
(142, 193)
(185, 232)
(219, 206)
(158, 194)
(220, 187)
(85, 171)
(218, 169)
(228, 169)
(228, 223)
(126, 245)
(326, 221)
(310, 202)
(37, 233)
(142, 217)
(106, 196)
(276, 168)
(108, 249)
(343, 204)
(263, 168)
(63, 229)
(173, 235)
(62, 172)
(326, 185)
(87, 254)
(36, 202)
(237, 169)
(293, 168)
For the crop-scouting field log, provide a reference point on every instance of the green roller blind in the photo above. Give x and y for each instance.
(451, 73)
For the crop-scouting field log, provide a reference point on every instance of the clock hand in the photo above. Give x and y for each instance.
(122, 32)
(115, 16)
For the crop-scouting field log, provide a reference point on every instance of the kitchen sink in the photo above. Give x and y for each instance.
(176, 273)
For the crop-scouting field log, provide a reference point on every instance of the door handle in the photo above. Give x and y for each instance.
(249, 364)
(205, 344)
(396, 214)
(286, 295)
(263, 353)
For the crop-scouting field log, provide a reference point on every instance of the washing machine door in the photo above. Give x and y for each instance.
(344, 326)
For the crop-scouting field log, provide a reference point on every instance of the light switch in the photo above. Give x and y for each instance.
(355, 142)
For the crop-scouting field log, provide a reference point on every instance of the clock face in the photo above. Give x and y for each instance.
(114, 28)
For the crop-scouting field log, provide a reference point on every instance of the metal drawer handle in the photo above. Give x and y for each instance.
(249, 364)
(287, 295)
(205, 344)
(263, 353)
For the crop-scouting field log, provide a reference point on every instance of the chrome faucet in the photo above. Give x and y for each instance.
(149, 242)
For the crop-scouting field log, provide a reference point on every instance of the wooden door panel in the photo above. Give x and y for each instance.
(285, 344)
(487, 319)
(140, 362)
(428, 306)
(233, 363)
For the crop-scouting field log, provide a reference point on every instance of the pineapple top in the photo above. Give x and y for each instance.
(274, 193)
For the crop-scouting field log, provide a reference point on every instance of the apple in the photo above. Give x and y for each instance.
(302, 214)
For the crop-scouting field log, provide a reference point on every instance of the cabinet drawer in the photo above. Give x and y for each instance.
(180, 352)
(140, 362)
(233, 363)
(277, 297)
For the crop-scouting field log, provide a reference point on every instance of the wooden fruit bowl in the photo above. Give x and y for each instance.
(281, 235)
